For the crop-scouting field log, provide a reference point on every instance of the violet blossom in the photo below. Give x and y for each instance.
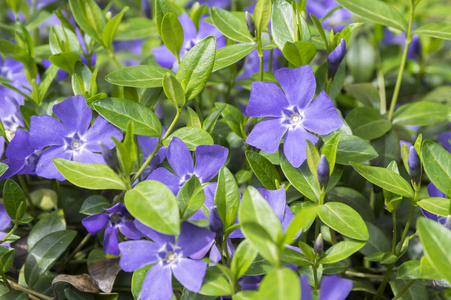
(5, 223)
(10, 115)
(209, 160)
(291, 113)
(216, 3)
(335, 58)
(116, 218)
(332, 287)
(337, 21)
(444, 138)
(167, 59)
(168, 256)
(70, 137)
(147, 145)
(252, 62)
(433, 191)
(13, 70)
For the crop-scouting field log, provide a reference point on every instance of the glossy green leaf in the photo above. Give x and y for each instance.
(420, 113)
(14, 200)
(282, 23)
(409, 270)
(441, 30)
(6, 259)
(340, 251)
(63, 40)
(367, 123)
(330, 150)
(215, 284)
(138, 279)
(344, 220)
(196, 67)
(173, 90)
(138, 76)
(437, 165)
(243, 257)
(111, 27)
(92, 14)
(192, 118)
(94, 204)
(227, 197)
(436, 205)
(376, 11)
(417, 290)
(89, 176)
(386, 179)
(120, 112)
(163, 7)
(291, 256)
(264, 170)
(12, 50)
(231, 54)
(190, 197)
(45, 252)
(65, 61)
(262, 14)
(233, 117)
(172, 33)
(191, 136)
(302, 221)
(3, 168)
(354, 199)
(126, 151)
(212, 119)
(301, 179)
(280, 284)
(351, 148)
(50, 223)
(377, 242)
(231, 25)
(313, 158)
(388, 148)
(427, 271)
(153, 204)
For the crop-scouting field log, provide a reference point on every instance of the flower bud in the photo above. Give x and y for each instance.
(110, 157)
(414, 164)
(319, 244)
(335, 58)
(216, 224)
(323, 172)
(250, 24)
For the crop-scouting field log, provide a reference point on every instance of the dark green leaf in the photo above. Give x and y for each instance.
(367, 123)
(264, 170)
(377, 241)
(229, 55)
(301, 178)
(14, 200)
(94, 204)
(210, 121)
(227, 197)
(231, 25)
(138, 76)
(51, 223)
(420, 113)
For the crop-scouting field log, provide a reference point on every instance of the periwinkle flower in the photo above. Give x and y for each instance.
(291, 113)
(209, 160)
(5, 223)
(337, 21)
(323, 172)
(167, 59)
(70, 137)
(2, 146)
(277, 200)
(251, 64)
(332, 287)
(148, 144)
(116, 218)
(414, 164)
(433, 191)
(444, 139)
(10, 115)
(216, 3)
(12, 70)
(335, 58)
(168, 256)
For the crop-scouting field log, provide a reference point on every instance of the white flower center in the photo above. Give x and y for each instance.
(75, 144)
(295, 118)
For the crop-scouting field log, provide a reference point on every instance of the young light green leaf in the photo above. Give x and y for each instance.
(227, 197)
(231, 25)
(190, 197)
(210, 121)
(262, 14)
(138, 76)
(243, 257)
(65, 61)
(441, 30)
(302, 221)
(409, 270)
(77, 12)
(330, 150)
(89, 176)
(420, 113)
(110, 29)
(126, 151)
(340, 251)
(299, 53)
(153, 204)
(436, 205)
(437, 165)
(14, 200)
(313, 158)
(282, 23)
(191, 136)
(229, 55)
(264, 170)
(192, 118)
(3, 168)
(172, 34)
(280, 284)
(215, 284)
(173, 89)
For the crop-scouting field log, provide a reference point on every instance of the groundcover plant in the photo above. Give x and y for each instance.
(225, 149)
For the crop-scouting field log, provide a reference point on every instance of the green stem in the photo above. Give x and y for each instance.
(406, 229)
(403, 64)
(20, 287)
(78, 248)
(405, 289)
(394, 233)
(261, 66)
(197, 105)
(381, 289)
(114, 58)
(9, 233)
(315, 278)
(24, 185)
(5, 280)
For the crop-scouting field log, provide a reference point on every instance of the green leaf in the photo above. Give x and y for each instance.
(340, 251)
(111, 27)
(365, 93)
(227, 197)
(65, 61)
(346, 32)
(3, 168)
(280, 284)
(63, 40)
(126, 151)
(302, 221)
(89, 176)
(142, 76)
(233, 117)
(436, 241)
(313, 158)
(172, 33)
(418, 290)
(212, 119)
(6, 259)
(436, 205)
(299, 53)
(153, 204)
(260, 225)
(242, 259)
(386, 179)
(291, 256)
(231, 25)
(437, 165)
(262, 14)
(441, 30)
(192, 118)
(367, 123)
(231, 54)
(94, 204)
(388, 147)
(163, 7)
(264, 170)
(420, 113)
(190, 197)
(351, 148)
(409, 270)
(14, 200)
(52, 222)
(191, 136)
(138, 279)
(173, 90)
(12, 50)
(120, 112)
(45, 252)
(196, 67)
(344, 220)
(282, 23)
(47, 80)
(321, 31)
(377, 241)
(427, 271)
(92, 14)
(215, 284)
(330, 150)
(376, 11)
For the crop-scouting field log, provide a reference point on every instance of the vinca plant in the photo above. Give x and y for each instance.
(225, 149)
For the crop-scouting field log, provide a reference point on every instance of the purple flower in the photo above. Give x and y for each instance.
(337, 21)
(167, 59)
(12, 69)
(278, 203)
(5, 222)
(323, 172)
(252, 62)
(134, 49)
(209, 160)
(116, 218)
(335, 58)
(148, 144)
(332, 287)
(444, 139)
(415, 49)
(10, 115)
(169, 257)
(2, 146)
(290, 111)
(433, 191)
(414, 164)
(70, 139)
(21, 157)
(217, 3)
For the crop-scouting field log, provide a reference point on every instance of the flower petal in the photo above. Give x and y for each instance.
(95, 223)
(164, 57)
(157, 237)
(46, 131)
(433, 191)
(165, 176)
(14, 167)
(190, 273)
(276, 199)
(295, 145)
(74, 113)
(189, 29)
(193, 238)
(266, 135)
(209, 160)
(334, 288)
(86, 156)
(321, 116)
(443, 138)
(137, 254)
(306, 289)
(20, 148)
(45, 166)
(179, 157)
(101, 131)
(298, 84)
(111, 241)
(128, 228)
(157, 284)
(266, 100)
(202, 252)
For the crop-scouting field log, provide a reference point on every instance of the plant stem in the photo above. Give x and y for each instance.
(24, 185)
(403, 64)
(315, 278)
(114, 58)
(5, 280)
(381, 289)
(394, 233)
(406, 229)
(9, 233)
(405, 289)
(19, 287)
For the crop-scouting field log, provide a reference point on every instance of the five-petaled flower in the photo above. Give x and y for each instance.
(291, 113)
(332, 287)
